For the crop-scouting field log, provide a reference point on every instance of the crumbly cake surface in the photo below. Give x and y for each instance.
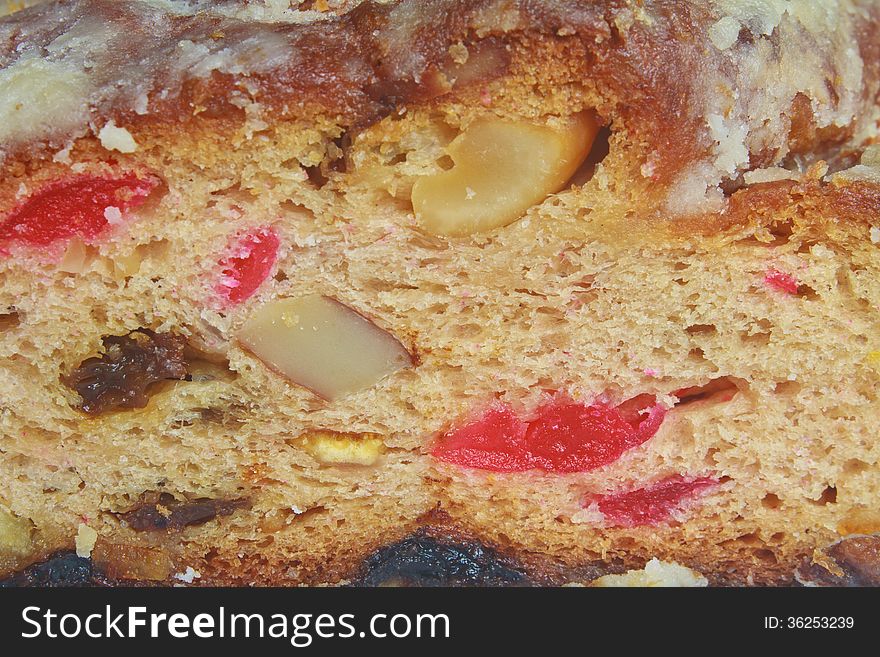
(720, 263)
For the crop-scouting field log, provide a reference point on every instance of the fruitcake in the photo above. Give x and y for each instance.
(446, 291)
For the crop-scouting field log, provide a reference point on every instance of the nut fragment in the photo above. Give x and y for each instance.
(134, 562)
(656, 573)
(322, 345)
(502, 168)
(15, 535)
(336, 448)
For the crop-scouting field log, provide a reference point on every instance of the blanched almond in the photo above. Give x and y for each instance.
(322, 345)
(501, 169)
(336, 448)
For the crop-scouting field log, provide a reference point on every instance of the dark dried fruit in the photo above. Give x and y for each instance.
(130, 365)
(63, 569)
(422, 560)
(170, 513)
(850, 562)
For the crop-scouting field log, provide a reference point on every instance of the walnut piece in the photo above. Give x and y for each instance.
(335, 448)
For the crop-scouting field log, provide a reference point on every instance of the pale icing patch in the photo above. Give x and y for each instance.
(113, 215)
(114, 138)
(875, 235)
(589, 515)
(696, 190)
(63, 156)
(871, 156)
(655, 574)
(867, 171)
(858, 173)
(188, 575)
(86, 537)
(748, 88)
(761, 18)
(724, 33)
(770, 174)
(38, 96)
(730, 139)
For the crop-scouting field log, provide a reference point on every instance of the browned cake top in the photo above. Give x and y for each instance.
(706, 90)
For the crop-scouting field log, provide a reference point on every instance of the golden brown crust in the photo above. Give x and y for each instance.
(642, 66)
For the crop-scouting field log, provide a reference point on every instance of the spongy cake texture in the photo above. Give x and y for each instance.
(719, 267)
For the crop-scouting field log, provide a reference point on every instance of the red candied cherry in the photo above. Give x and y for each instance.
(249, 262)
(84, 206)
(650, 505)
(564, 437)
(781, 281)
(495, 441)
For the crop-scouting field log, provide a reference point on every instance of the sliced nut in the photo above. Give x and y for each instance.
(85, 540)
(656, 573)
(15, 535)
(502, 168)
(337, 448)
(322, 345)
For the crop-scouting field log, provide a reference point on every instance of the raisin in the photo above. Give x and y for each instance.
(130, 364)
(422, 560)
(170, 513)
(64, 569)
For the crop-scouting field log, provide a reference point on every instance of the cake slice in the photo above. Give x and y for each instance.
(439, 292)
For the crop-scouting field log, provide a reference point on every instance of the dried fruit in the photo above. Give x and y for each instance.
(62, 569)
(170, 513)
(84, 206)
(564, 436)
(249, 262)
(781, 281)
(336, 448)
(650, 505)
(501, 169)
(130, 365)
(322, 345)
(422, 560)
(135, 562)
